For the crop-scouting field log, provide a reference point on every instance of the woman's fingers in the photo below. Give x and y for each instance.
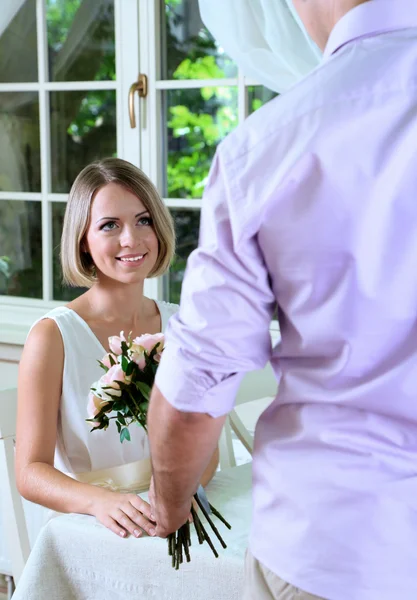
(115, 527)
(129, 522)
(124, 514)
(140, 519)
(141, 506)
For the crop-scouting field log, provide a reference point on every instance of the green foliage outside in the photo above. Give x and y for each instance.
(195, 120)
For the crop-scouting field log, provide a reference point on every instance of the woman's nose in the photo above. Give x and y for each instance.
(129, 237)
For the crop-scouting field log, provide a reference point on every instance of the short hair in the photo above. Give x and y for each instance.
(77, 266)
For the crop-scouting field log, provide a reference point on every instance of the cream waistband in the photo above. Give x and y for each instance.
(131, 477)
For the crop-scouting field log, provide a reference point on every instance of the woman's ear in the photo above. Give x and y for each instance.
(84, 246)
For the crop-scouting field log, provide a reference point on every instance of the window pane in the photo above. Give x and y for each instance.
(19, 142)
(60, 291)
(18, 43)
(83, 129)
(194, 121)
(81, 40)
(20, 248)
(258, 95)
(188, 49)
(187, 225)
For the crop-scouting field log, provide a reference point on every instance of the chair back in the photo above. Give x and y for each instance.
(256, 391)
(13, 517)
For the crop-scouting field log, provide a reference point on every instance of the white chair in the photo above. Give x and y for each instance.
(14, 523)
(256, 392)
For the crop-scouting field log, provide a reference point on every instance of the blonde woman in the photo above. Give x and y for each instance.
(117, 232)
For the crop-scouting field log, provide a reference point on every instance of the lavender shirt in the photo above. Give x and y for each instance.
(312, 204)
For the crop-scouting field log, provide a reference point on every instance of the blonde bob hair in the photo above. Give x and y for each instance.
(77, 265)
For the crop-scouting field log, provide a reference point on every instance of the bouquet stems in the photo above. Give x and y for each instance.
(179, 542)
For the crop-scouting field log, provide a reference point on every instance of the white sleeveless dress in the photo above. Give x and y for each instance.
(77, 449)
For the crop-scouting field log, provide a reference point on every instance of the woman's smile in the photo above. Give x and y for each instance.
(132, 260)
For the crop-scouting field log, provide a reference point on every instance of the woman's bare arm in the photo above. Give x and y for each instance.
(39, 395)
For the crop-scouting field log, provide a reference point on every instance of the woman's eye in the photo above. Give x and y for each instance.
(108, 226)
(145, 221)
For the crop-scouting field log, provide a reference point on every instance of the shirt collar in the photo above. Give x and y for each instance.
(372, 18)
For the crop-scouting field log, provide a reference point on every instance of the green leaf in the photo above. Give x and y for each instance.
(102, 366)
(112, 361)
(144, 389)
(124, 435)
(144, 407)
(207, 93)
(125, 363)
(121, 418)
(130, 368)
(119, 427)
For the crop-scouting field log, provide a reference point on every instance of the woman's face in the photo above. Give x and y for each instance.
(120, 237)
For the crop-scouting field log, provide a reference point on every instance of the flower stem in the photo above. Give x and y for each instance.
(207, 538)
(209, 521)
(219, 516)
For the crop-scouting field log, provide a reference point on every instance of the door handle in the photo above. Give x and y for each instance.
(141, 87)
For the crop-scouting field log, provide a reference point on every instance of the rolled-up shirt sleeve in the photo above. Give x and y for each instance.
(222, 328)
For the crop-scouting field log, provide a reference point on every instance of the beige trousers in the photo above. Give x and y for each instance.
(263, 584)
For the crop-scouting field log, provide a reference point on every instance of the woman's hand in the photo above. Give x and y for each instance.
(123, 513)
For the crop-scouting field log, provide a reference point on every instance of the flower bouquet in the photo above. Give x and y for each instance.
(122, 394)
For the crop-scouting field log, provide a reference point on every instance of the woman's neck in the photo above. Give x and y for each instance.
(115, 302)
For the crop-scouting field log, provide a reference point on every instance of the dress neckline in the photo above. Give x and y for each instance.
(93, 335)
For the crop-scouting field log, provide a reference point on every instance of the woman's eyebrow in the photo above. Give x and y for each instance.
(117, 218)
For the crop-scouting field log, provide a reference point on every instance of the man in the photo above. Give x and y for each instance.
(312, 204)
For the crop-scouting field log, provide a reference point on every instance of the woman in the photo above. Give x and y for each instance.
(117, 232)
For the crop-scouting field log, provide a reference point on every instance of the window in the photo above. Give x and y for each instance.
(199, 97)
(63, 103)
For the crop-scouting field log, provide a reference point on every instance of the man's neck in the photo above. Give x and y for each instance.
(321, 16)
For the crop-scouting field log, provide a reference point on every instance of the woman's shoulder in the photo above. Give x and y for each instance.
(59, 323)
(44, 341)
(51, 321)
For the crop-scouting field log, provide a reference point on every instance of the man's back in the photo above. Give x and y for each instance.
(311, 203)
(335, 216)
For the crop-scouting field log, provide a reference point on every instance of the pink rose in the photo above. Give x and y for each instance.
(107, 387)
(93, 408)
(137, 354)
(115, 343)
(113, 375)
(106, 360)
(148, 341)
(94, 405)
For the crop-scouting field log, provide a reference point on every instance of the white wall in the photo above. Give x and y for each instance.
(9, 364)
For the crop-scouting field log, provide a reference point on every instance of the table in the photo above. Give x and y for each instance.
(76, 558)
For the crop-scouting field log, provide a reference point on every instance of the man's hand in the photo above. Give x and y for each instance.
(168, 518)
(182, 445)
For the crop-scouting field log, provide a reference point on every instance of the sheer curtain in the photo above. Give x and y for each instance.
(265, 37)
(8, 11)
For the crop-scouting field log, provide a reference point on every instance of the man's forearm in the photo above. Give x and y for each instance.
(182, 445)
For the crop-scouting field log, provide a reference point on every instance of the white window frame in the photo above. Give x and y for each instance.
(137, 42)
(17, 314)
(151, 130)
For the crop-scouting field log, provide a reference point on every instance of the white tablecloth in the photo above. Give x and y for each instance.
(76, 558)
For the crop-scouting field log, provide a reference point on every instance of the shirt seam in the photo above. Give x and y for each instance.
(313, 111)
